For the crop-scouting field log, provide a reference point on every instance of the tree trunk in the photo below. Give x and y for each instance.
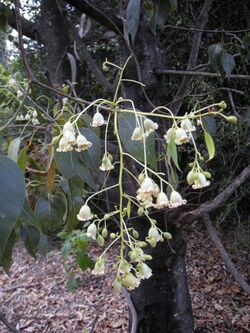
(162, 302)
(54, 35)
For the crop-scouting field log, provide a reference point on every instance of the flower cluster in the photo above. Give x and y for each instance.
(31, 116)
(150, 190)
(69, 139)
(198, 178)
(142, 132)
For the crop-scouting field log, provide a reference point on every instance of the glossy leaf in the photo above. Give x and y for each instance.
(12, 195)
(209, 124)
(214, 54)
(127, 125)
(133, 17)
(50, 212)
(5, 259)
(210, 145)
(22, 158)
(172, 150)
(13, 149)
(228, 63)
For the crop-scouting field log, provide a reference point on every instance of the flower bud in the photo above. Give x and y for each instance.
(100, 240)
(223, 105)
(105, 232)
(167, 235)
(232, 119)
(135, 233)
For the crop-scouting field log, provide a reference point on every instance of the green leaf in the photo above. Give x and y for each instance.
(22, 158)
(50, 212)
(210, 145)
(5, 259)
(3, 18)
(12, 195)
(127, 124)
(70, 165)
(162, 9)
(75, 201)
(92, 156)
(172, 150)
(214, 55)
(84, 261)
(228, 63)
(30, 237)
(209, 123)
(133, 17)
(13, 149)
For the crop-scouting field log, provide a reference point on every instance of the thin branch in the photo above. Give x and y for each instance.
(207, 207)
(232, 103)
(93, 66)
(30, 29)
(20, 40)
(224, 255)
(186, 81)
(206, 30)
(8, 324)
(194, 73)
(109, 21)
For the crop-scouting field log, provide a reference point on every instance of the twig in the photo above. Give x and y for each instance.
(224, 255)
(17, 286)
(232, 103)
(207, 207)
(194, 73)
(206, 30)
(8, 324)
(193, 56)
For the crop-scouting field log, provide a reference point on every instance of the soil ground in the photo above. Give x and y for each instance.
(35, 298)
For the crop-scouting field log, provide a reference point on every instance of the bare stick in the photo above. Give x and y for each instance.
(194, 73)
(8, 324)
(224, 255)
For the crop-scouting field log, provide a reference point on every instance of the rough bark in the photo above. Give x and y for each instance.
(162, 302)
(54, 36)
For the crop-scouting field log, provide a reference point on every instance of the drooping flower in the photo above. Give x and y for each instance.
(130, 281)
(85, 213)
(191, 176)
(91, 231)
(147, 186)
(98, 120)
(187, 126)
(181, 136)
(145, 198)
(106, 163)
(27, 116)
(137, 134)
(64, 146)
(150, 126)
(99, 268)
(124, 267)
(68, 127)
(200, 181)
(176, 199)
(82, 143)
(69, 137)
(35, 121)
(154, 233)
(161, 201)
(143, 271)
(170, 134)
(117, 284)
(136, 255)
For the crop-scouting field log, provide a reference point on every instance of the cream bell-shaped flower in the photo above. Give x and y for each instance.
(145, 198)
(98, 120)
(181, 136)
(91, 231)
(187, 125)
(143, 271)
(170, 132)
(200, 181)
(150, 126)
(161, 201)
(137, 134)
(154, 233)
(176, 199)
(130, 281)
(99, 268)
(69, 136)
(106, 164)
(68, 127)
(82, 143)
(85, 213)
(147, 186)
(64, 146)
